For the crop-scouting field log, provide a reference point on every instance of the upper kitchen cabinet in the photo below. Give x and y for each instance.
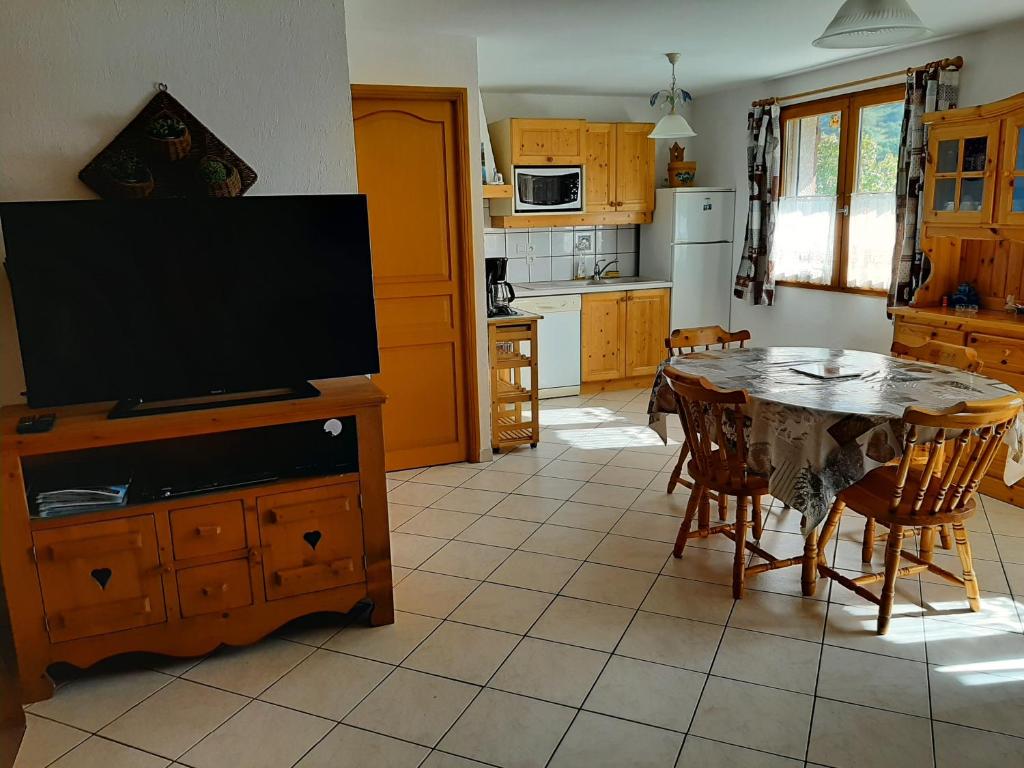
(974, 171)
(518, 141)
(620, 167)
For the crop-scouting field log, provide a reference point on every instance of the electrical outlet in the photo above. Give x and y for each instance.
(522, 248)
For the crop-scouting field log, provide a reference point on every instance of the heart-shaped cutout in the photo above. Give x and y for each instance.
(312, 538)
(101, 576)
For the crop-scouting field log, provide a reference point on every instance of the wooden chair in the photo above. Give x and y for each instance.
(911, 495)
(680, 342)
(940, 353)
(714, 422)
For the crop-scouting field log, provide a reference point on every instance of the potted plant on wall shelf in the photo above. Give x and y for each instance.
(220, 177)
(129, 176)
(168, 136)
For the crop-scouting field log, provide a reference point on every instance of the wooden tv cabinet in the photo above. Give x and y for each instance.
(182, 575)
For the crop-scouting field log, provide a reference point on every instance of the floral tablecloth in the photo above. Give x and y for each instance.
(814, 437)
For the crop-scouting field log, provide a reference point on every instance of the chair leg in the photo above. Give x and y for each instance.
(704, 514)
(809, 567)
(831, 523)
(723, 507)
(684, 528)
(867, 547)
(893, 546)
(739, 561)
(963, 548)
(946, 536)
(677, 473)
(758, 519)
(926, 546)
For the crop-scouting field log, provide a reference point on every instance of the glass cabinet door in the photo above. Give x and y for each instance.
(961, 162)
(1011, 204)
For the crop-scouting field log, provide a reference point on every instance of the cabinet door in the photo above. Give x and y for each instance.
(646, 328)
(312, 540)
(548, 142)
(603, 336)
(600, 171)
(960, 173)
(1011, 184)
(100, 577)
(634, 167)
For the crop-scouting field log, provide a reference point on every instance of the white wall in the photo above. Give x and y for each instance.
(598, 109)
(395, 57)
(269, 77)
(994, 61)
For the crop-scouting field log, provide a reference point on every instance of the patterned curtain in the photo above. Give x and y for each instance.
(756, 274)
(931, 90)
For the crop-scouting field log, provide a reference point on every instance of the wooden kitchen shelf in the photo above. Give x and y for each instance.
(607, 219)
(494, 191)
(512, 351)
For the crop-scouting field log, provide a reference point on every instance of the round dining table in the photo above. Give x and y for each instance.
(820, 419)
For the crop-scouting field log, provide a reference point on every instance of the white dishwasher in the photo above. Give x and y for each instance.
(558, 336)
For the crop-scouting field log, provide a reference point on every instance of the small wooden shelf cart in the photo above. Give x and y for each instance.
(512, 350)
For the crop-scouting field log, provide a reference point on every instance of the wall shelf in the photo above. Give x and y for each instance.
(494, 191)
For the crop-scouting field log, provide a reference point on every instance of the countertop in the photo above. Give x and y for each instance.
(520, 315)
(564, 287)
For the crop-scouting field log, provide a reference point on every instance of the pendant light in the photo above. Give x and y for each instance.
(872, 23)
(671, 126)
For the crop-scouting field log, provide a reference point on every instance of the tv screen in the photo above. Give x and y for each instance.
(175, 298)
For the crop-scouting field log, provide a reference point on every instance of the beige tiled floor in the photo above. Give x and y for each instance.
(542, 622)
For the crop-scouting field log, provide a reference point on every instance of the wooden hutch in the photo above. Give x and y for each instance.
(973, 232)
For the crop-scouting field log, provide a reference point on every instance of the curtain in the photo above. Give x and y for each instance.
(755, 276)
(931, 90)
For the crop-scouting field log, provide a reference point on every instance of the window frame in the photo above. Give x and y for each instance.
(848, 106)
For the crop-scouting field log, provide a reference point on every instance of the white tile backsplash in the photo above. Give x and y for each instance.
(542, 254)
(561, 267)
(540, 268)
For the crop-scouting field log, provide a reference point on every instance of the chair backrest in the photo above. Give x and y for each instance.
(941, 353)
(949, 478)
(685, 340)
(712, 417)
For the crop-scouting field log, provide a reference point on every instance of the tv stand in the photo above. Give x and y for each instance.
(133, 406)
(223, 564)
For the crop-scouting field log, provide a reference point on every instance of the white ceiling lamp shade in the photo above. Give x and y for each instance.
(671, 126)
(871, 24)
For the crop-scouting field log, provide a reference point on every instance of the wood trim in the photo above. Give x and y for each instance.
(494, 191)
(459, 97)
(831, 288)
(572, 219)
(992, 109)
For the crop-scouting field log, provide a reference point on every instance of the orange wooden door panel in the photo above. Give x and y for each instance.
(408, 167)
(634, 167)
(100, 577)
(603, 336)
(600, 181)
(647, 321)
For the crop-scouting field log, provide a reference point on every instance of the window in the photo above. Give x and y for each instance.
(837, 213)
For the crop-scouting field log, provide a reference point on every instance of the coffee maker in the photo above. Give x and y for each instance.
(500, 294)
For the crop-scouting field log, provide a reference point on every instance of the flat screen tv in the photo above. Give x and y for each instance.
(156, 300)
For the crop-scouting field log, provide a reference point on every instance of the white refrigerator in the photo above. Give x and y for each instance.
(690, 244)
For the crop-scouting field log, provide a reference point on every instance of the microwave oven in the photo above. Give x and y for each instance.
(548, 189)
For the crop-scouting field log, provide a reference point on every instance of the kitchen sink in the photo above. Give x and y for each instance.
(558, 284)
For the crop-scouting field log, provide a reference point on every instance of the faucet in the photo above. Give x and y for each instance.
(600, 269)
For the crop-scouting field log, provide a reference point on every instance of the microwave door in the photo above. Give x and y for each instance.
(548, 191)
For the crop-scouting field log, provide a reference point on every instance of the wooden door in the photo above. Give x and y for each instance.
(12, 716)
(600, 167)
(647, 325)
(603, 336)
(1011, 182)
(547, 142)
(100, 577)
(634, 167)
(961, 172)
(411, 150)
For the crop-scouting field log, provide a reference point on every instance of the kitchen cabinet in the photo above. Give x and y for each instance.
(623, 333)
(974, 171)
(620, 167)
(519, 141)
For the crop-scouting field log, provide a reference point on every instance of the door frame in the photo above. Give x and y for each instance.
(466, 257)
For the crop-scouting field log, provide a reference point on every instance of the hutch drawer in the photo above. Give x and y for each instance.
(915, 334)
(312, 540)
(100, 577)
(207, 530)
(998, 353)
(214, 588)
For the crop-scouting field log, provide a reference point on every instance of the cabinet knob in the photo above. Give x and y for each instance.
(550, 159)
(208, 591)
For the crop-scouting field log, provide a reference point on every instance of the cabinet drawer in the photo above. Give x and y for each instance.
(100, 577)
(312, 540)
(998, 353)
(916, 334)
(207, 530)
(214, 588)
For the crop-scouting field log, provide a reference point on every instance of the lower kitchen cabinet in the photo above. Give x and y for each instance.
(623, 333)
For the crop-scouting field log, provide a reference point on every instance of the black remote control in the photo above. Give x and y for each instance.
(43, 422)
